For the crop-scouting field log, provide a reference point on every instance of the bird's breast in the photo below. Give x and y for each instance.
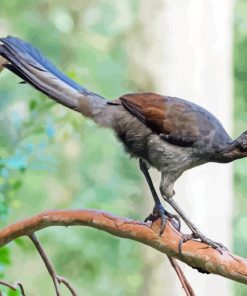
(141, 142)
(134, 135)
(171, 159)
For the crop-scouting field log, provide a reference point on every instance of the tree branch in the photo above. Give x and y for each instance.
(194, 253)
(185, 284)
(13, 287)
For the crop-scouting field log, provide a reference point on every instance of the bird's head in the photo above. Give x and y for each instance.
(241, 142)
(237, 149)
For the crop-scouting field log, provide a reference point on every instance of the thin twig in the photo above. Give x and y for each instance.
(56, 278)
(47, 262)
(21, 288)
(13, 287)
(185, 284)
(67, 284)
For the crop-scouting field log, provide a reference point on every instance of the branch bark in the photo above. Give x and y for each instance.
(195, 254)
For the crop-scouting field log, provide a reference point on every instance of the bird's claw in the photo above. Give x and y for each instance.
(217, 246)
(175, 220)
(160, 213)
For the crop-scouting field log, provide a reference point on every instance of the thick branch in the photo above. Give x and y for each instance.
(195, 254)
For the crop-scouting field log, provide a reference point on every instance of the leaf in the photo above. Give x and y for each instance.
(5, 256)
(14, 292)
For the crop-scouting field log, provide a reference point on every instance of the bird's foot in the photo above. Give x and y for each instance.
(160, 213)
(197, 235)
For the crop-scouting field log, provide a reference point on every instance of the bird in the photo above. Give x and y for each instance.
(167, 133)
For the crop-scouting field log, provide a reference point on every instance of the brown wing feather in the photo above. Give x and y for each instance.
(171, 118)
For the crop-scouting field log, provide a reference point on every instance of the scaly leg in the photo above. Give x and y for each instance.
(158, 210)
(196, 233)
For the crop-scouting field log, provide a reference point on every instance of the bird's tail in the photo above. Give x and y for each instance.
(30, 65)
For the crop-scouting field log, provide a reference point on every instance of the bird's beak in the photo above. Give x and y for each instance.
(3, 61)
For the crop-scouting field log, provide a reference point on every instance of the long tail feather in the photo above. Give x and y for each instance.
(30, 65)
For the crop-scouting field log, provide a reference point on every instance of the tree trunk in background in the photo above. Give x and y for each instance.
(184, 49)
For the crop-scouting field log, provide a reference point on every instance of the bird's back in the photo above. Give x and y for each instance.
(177, 121)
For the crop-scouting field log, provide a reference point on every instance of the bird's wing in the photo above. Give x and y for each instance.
(176, 121)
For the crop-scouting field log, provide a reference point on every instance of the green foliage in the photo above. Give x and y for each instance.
(52, 158)
(4, 260)
(14, 293)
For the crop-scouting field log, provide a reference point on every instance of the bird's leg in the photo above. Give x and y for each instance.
(196, 233)
(158, 210)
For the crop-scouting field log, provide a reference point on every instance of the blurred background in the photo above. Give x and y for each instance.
(51, 157)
